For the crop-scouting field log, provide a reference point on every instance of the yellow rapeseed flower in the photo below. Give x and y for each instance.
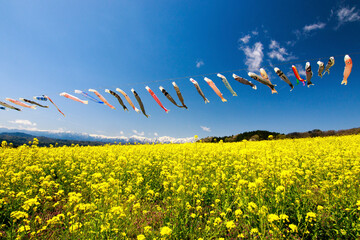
(310, 216)
(18, 215)
(273, 218)
(230, 225)
(293, 228)
(147, 229)
(25, 228)
(141, 237)
(165, 231)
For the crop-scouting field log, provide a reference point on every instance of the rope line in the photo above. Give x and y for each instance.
(238, 70)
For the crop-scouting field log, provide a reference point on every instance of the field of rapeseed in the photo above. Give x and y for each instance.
(283, 189)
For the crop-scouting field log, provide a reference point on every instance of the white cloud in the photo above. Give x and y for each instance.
(297, 33)
(138, 133)
(306, 31)
(279, 53)
(274, 44)
(346, 14)
(206, 129)
(23, 122)
(245, 39)
(254, 56)
(156, 134)
(315, 26)
(199, 63)
(255, 33)
(122, 132)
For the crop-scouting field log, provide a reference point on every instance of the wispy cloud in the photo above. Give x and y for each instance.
(156, 134)
(314, 26)
(138, 133)
(122, 132)
(23, 122)
(199, 63)
(245, 39)
(306, 31)
(291, 43)
(298, 34)
(254, 56)
(206, 129)
(255, 33)
(279, 53)
(347, 14)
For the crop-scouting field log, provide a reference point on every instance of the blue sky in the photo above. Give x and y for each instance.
(51, 47)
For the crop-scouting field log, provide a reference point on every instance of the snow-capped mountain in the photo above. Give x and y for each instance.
(68, 135)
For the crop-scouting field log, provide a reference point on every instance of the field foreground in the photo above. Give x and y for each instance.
(284, 189)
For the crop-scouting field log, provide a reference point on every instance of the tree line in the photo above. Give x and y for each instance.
(267, 135)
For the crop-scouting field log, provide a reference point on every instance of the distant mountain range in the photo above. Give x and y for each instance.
(18, 139)
(20, 136)
(67, 138)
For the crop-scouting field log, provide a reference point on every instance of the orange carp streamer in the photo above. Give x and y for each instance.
(101, 98)
(216, 90)
(347, 70)
(69, 96)
(19, 103)
(156, 99)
